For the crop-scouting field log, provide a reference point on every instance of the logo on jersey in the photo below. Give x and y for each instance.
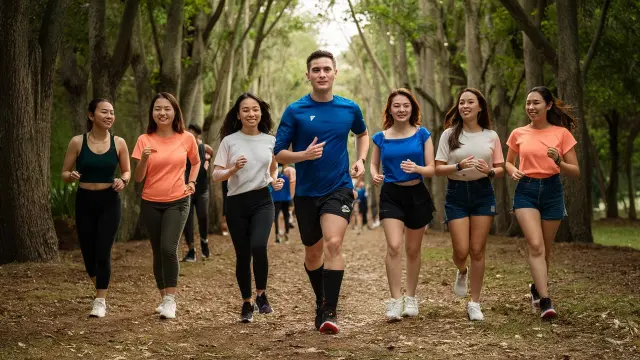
(312, 117)
(345, 209)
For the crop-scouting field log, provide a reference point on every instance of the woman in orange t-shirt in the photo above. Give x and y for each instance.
(165, 197)
(545, 148)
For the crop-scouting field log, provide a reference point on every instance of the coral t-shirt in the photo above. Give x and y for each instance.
(532, 145)
(164, 180)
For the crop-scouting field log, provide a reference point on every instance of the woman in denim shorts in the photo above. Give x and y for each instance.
(405, 150)
(469, 154)
(545, 148)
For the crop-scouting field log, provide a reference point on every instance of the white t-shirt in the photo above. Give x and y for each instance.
(482, 145)
(258, 149)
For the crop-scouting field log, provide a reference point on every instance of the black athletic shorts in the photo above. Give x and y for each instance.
(309, 209)
(410, 204)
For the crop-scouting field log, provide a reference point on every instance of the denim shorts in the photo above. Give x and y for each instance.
(469, 198)
(545, 195)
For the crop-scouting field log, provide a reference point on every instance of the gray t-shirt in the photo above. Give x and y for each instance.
(482, 145)
(258, 149)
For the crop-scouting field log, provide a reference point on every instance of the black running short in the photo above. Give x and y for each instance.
(410, 204)
(309, 209)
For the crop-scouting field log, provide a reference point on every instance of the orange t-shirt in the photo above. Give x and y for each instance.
(532, 144)
(164, 180)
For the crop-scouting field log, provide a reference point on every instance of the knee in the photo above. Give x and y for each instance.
(333, 247)
(413, 253)
(394, 251)
(313, 254)
(476, 253)
(536, 249)
(460, 254)
(259, 249)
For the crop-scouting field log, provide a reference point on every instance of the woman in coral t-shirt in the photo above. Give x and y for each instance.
(545, 148)
(165, 197)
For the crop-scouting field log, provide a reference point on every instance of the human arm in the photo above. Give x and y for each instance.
(125, 165)
(362, 149)
(510, 167)
(374, 167)
(68, 174)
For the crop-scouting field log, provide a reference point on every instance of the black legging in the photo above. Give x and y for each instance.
(199, 202)
(249, 217)
(284, 207)
(97, 220)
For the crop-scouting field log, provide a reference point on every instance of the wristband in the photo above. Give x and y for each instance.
(458, 168)
(558, 160)
(492, 173)
(125, 182)
(364, 161)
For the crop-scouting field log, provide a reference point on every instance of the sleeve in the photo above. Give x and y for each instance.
(285, 132)
(568, 141)
(498, 156)
(192, 148)
(222, 156)
(139, 147)
(512, 142)
(443, 148)
(424, 134)
(378, 139)
(358, 126)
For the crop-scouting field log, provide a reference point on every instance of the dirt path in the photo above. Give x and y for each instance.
(44, 307)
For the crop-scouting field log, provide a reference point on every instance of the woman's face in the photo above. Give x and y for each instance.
(400, 108)
(163, 112)
(468, 106)
(249, 113)
(536, 107)
(103, 117)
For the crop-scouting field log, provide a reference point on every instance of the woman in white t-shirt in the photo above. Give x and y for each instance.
(245, 158)
(469, 154)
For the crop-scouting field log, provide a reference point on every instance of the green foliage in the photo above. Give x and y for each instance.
(63, 199)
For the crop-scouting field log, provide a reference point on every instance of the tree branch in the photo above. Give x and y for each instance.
(368, 49)
(534, 34)
(596, 38)
(249, 26)
(514, 97)
(273, 24)
(121, 57)
(154, 32)
(213, 20)
(431, 101)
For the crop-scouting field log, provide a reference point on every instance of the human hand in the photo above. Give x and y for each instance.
(314, 150)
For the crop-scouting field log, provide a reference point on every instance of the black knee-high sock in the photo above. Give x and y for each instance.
(315, 277)
(332, 282)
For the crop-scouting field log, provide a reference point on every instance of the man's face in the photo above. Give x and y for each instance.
(321, 74)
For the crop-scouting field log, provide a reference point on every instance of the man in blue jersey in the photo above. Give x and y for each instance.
(317, 127)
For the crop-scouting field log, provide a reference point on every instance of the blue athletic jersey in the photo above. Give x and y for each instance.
(395, 151)
(362, 193)
(283, 194)
(331, 122)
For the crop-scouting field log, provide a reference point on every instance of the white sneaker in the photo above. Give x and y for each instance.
(99, 308)
(410, 306)
(394, 309)
(474, 312)
(168, 307)
(460, 287)
(160, 307)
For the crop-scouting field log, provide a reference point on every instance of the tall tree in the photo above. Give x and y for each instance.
(472, 43)
(30, 41)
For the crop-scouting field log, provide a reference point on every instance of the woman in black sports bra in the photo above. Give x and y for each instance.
(96, 155)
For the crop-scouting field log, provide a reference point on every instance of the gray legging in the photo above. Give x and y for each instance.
(165, 221)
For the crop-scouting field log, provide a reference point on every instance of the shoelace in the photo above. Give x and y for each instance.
(411, 302)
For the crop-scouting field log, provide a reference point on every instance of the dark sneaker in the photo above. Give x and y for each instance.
(263, 304)
(546, 309)
(277, 239)
(246, 316)
(204, 246)
(191, 256)
(329, 322)
(535, 297)
(318, 315)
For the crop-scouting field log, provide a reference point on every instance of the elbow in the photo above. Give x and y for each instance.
(577, 172)
(430, 171)
(439, 171)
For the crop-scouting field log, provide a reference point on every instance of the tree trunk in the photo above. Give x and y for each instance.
(26, 95)
(472, 43)
(613, 119)
(170, 71)
(533, 61)
(192, 75)
(403, 64)
(75, 80)
(578, 197)
(628, 161)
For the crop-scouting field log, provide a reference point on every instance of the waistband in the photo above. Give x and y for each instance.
(262, 192)
(552, 178)
(108, 190)
(396, 186)
(483, 181)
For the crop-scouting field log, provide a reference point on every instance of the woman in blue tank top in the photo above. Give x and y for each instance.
(96, 156)
(406, 152)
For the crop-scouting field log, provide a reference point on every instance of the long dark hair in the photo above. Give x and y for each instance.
(416, 115)
(92, 109)
(454, 119)
(177, 125)
(232, 124)
(560, 113)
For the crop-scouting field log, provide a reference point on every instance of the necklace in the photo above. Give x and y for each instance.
(94, 137)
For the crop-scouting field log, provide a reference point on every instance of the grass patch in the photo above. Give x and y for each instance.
(612, 234)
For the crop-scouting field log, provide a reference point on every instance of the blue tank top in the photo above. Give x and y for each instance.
(283, 194)
(395, 151)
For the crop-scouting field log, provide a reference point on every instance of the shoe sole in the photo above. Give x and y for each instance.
(548, 314)
(409, 315)
(165, 317)
(95, 316)
(246, 321)
(394, 319)
(459, 294)
(329, 328)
